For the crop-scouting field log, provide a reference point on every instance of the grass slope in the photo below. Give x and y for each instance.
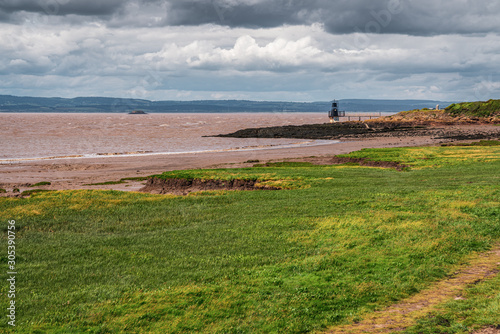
(340, 242)
(457, 113)
(478, 109)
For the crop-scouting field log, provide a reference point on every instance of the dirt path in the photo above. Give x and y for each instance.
(400, 316)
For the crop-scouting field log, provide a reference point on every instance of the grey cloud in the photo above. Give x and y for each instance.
(61, 7)
(236, 13)
(423, 17)
(428, 18)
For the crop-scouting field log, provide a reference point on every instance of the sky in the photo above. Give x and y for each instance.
(279, 50)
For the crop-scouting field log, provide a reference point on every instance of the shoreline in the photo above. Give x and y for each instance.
(303, 143)
(80, 173)
(64, 135)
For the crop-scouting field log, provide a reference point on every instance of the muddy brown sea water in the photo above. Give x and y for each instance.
(36, 135)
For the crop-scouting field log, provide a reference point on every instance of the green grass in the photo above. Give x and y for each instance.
(43, 183)
(340, 242)
(219, 174)
(121, 181)
(104, 183)
(478, 109)
(33, 191)
(478, 143)
(2, 191)
(285, 164)
(425, 157)
(135, 178)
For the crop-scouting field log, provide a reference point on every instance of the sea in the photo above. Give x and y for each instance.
(42, 136)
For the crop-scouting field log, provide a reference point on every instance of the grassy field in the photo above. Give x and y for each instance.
(336, 243)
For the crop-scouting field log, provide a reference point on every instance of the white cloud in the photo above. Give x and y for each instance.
(248, 55)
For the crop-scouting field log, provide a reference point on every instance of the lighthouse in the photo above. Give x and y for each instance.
(334, 113)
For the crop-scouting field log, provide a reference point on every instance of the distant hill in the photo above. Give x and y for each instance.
(9, 103)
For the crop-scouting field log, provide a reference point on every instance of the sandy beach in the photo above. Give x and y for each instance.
(79, 173)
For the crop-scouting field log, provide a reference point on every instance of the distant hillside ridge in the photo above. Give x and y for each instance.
(9, 103)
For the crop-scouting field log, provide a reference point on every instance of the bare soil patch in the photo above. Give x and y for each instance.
(489, 330)
(185, 186)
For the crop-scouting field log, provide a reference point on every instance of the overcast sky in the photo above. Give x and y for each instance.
(286, 50)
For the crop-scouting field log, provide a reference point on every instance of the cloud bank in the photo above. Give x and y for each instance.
(253, 49)
(422, 18)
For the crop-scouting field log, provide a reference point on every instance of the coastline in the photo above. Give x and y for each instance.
(146, 154)
(79, 173)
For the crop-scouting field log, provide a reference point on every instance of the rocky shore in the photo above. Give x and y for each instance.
(370, 129)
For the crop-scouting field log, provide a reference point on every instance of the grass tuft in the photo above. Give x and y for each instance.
(105, 183)
(33, 191)
(43, 183)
